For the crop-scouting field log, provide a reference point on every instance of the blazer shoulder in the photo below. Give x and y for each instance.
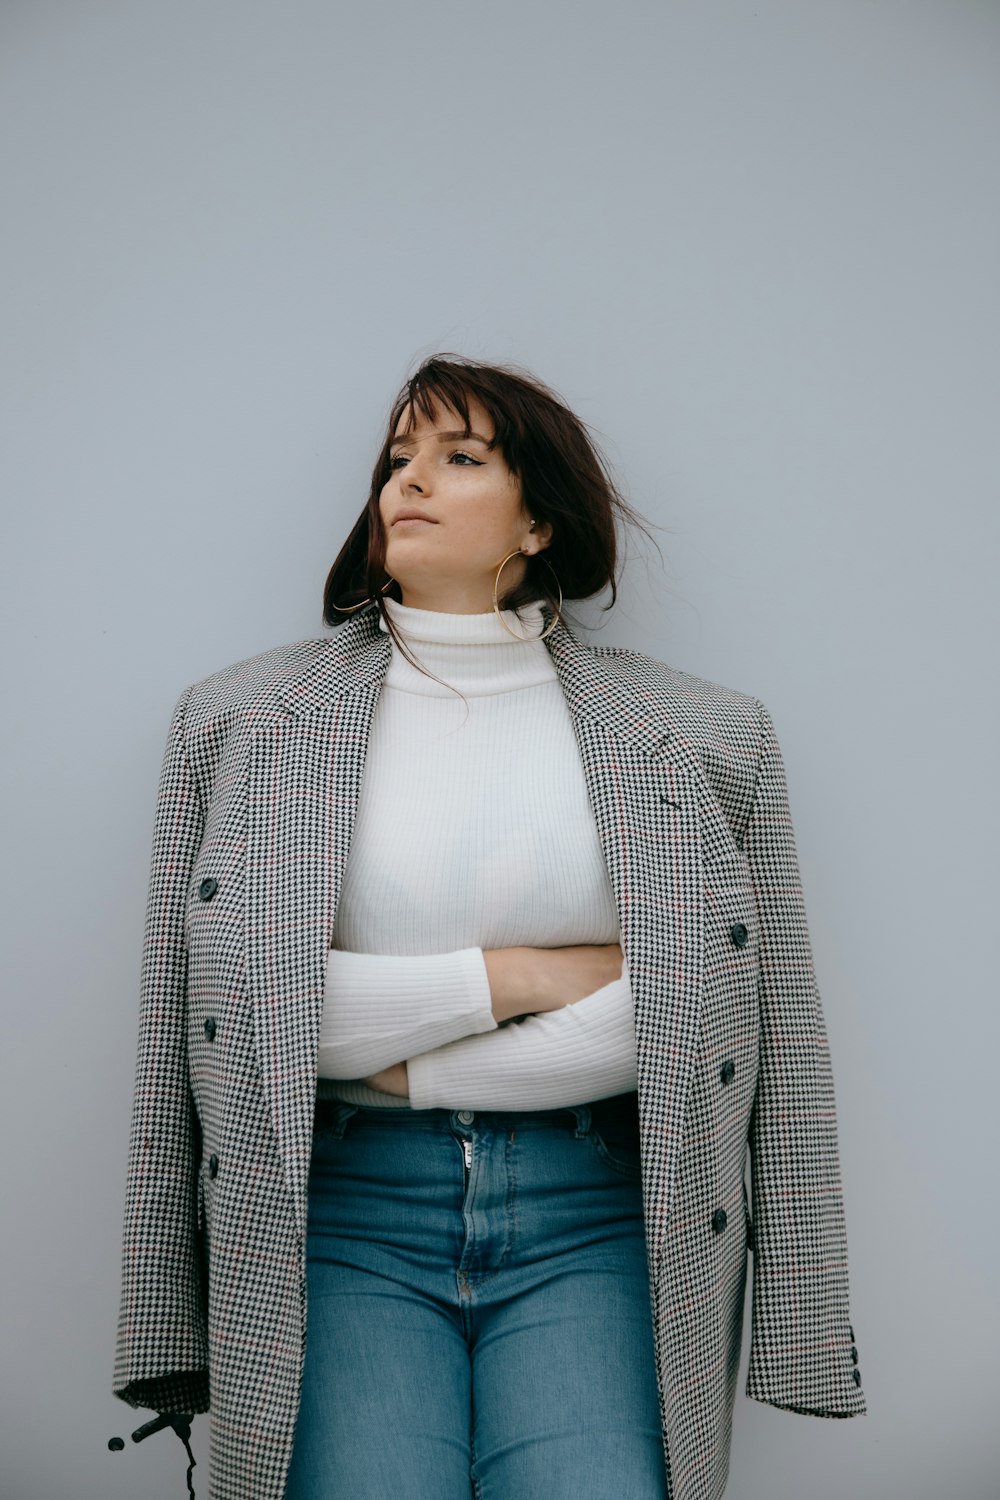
(244, 687)
(722, 728)
(700, 709)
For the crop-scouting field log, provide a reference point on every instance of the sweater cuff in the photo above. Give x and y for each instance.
(573, 1055)
(379, 1008)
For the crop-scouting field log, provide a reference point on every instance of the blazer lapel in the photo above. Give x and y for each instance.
(645, 782)
(306, 766)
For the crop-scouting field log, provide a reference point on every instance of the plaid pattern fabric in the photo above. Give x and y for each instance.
(256, 804)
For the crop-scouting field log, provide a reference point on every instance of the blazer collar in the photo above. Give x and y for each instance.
(595, 690)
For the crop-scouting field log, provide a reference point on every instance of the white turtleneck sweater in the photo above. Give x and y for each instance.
(474, 831)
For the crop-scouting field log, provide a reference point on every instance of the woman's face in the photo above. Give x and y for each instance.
(475, 508)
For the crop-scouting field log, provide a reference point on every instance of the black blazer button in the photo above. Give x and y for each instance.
(854, 1355)
(210, 1029)
(739, 935)
(728, 1071)
(208, 888)
(851, 1334)
(213, 1165)
(857, 1377)
(719, 1220)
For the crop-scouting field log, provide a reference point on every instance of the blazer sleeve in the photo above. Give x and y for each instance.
(161, 1354)
(803, 1354)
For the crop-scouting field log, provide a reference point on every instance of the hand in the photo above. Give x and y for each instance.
(524, 981)
(391, 1080)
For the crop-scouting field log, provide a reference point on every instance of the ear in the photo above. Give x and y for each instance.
(542, 534)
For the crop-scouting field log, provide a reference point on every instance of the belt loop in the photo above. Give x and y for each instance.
(582, 1113)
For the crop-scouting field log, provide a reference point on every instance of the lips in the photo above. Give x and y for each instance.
(413, 515)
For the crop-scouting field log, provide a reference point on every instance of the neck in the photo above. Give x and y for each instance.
(463, 599)
(458, 602)
(471, 593)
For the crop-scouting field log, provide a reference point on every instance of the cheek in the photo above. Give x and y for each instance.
(486, 531)
(497, 515)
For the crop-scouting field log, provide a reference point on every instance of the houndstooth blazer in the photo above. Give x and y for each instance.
(256, 805)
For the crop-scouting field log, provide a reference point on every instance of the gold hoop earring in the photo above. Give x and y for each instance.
(350, 609)
(496, 606)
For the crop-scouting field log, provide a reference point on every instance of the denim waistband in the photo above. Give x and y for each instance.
(616, 1107)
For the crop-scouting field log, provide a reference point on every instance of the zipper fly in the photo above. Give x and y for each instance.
(467, 1146)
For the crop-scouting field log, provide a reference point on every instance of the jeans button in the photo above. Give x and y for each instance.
(466, 1116)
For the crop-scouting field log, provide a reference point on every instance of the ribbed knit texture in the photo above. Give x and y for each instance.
(474, 831)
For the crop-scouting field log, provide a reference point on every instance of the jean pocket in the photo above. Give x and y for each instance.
(614, 1134)
(331, 1119)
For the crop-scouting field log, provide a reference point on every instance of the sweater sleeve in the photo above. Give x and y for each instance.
(573, 1055)
(379, 1008)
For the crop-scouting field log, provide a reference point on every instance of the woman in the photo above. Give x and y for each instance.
(475, 969)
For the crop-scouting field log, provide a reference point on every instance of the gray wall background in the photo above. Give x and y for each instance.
(755, 247)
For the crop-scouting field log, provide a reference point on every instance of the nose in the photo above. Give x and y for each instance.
(415, 473)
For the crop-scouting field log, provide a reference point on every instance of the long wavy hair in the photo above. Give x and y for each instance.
(564, 477)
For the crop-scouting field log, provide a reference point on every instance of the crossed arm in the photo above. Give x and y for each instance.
(513, 1028)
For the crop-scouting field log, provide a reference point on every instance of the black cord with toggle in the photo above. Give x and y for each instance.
(181, 1423)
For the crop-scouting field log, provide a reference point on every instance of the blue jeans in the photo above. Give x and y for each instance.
(479, 1323)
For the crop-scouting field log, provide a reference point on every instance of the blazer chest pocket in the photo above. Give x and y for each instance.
(723, 859)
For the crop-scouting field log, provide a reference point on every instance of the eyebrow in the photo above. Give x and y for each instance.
(442, 437)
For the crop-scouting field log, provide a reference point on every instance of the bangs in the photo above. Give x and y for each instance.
(438, 385)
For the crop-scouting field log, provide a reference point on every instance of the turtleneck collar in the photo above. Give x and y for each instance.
(473, 653)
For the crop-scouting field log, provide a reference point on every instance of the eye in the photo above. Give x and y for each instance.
(458, 453)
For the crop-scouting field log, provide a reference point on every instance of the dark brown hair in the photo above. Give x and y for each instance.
(565, 480)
